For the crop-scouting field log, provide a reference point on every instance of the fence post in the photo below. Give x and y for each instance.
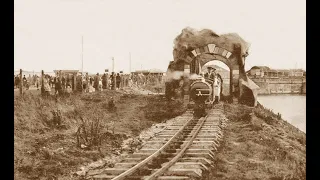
(81, 79)
(75, 82)
(42, 82)
(20, 84)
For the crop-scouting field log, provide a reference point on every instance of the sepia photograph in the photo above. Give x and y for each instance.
(159, 90)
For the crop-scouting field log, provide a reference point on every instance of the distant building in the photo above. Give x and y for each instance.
(258, 71)
(278, 81)
(31, 73)
(149, 72)
(65, 72)
(266, 72)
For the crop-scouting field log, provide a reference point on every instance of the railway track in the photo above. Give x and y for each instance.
(184, 150)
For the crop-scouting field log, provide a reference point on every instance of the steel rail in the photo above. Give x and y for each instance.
(178, 156)
(152, 156)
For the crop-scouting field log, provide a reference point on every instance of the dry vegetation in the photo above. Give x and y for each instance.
(54, 138)
(51, 143)
(259, 145)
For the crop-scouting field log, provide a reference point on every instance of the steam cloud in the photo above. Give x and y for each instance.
(190, 39)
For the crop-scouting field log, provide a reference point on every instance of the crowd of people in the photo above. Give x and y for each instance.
(87, 83)
(119, 80)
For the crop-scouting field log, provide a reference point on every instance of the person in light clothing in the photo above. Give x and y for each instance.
(47, 88)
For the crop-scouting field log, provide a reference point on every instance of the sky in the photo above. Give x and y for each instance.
(48, 33)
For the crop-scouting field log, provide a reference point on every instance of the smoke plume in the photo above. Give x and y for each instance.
(190, 39)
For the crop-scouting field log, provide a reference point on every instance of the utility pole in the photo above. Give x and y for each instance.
(130, 62)
(20, 84)
(113, 82)
(82, 54)
(82, 65)
(42, 82)
(113, 64)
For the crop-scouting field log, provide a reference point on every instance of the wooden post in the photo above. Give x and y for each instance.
(75, 81)
(20, 84)
(81, 81)
(42, 84)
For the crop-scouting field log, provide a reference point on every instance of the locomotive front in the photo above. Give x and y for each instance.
(200, 93)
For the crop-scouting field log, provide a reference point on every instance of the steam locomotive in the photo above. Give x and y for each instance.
(204, 93)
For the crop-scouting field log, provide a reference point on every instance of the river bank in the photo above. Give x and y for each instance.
(292, 107)
(259, 145)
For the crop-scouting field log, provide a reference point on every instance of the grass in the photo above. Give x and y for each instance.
(259, 145)
(44, 148)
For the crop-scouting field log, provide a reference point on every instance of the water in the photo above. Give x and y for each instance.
(291, 107)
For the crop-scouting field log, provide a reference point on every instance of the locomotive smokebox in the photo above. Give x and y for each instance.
(200, 91)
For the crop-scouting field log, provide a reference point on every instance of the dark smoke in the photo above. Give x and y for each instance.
(190, 39)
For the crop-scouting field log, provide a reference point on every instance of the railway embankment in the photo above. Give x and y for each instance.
(89, 133)
(258, 144)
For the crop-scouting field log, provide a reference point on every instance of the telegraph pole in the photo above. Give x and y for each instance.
(112, 64)
(82, 55)
(81, 64)
(114, 75)
(130, 62)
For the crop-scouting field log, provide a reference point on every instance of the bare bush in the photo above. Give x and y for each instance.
(90, 130)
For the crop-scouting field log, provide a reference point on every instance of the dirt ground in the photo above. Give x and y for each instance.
(88, 129)
(258, 145)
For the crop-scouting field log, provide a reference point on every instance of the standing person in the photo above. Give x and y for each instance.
(68, 84)
(17, 81)
(91, 80)
(122, 81)
(118, 81)
(104, 84)
(58, 87)
(47, 87)
(100, 83)
(68, 89)
(24, 80)
(112, 83)
(96, 82)
(34, 82)
(37, 82)
(86, 83)
(29, 80)
(54, 81)
(63, 82)
(107, 81)
(221, 83)
(49, 80)
(127, 81)
(211, 73)
(73, 77)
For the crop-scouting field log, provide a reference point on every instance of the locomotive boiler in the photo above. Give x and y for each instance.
(200, 94)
